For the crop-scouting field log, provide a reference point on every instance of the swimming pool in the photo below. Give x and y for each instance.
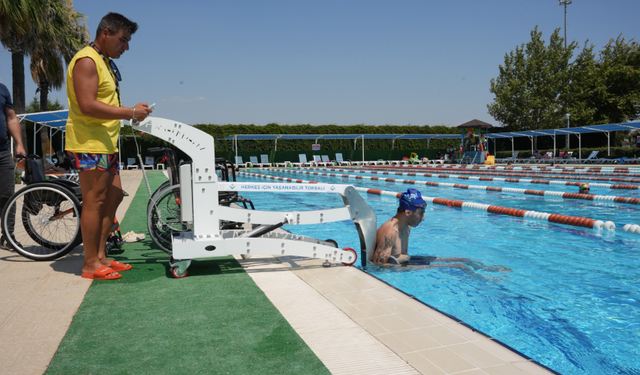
(571, 301)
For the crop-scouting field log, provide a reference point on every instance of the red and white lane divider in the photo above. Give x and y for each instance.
(512, 174)
(618, 171)
(542, 193)
(510, 180)
(531, 215)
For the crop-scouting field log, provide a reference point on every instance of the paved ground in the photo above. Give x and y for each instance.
(353, 322)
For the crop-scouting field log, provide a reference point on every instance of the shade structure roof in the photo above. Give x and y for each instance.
(54, 119)
(475, 124)
(58, 120)
(339, 136)
(579, 130)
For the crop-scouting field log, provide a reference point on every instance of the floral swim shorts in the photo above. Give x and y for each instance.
(84, 161)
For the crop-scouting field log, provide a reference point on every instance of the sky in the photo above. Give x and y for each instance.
(341, 62)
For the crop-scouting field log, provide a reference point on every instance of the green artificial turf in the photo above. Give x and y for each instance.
(214, 321)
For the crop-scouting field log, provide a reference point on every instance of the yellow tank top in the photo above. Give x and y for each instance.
(85, 133)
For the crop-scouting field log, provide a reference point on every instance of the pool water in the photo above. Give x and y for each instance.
(571, 300)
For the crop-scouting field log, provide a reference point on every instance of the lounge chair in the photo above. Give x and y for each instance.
(131, 163)
(264, 160)
(148, 162)
(325, 162)
(590, 159)
(546, 158)
(316, 161)
(511, 158)
(240, 163)
(302, 161)
(340, 161)
(254, 161)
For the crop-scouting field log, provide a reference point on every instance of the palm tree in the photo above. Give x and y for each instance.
(28, 25)
(66, 38)
(18, 18)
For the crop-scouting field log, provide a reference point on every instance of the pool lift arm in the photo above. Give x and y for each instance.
(199, 209)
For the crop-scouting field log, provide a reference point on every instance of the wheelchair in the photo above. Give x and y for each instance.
(163, 209)
(42, 220)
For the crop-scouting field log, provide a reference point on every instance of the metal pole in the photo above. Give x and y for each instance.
(567, 117)
(565, 3)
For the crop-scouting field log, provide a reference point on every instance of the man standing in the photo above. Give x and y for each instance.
(93, 128)
(9, 125)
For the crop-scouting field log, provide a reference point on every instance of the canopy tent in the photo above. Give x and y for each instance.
(55, 120)
(607, 129)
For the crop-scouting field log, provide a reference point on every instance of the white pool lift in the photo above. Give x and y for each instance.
(201, 213)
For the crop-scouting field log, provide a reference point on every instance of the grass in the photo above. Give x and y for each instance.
(214, 321)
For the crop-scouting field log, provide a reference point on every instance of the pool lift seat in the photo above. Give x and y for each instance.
(202, 213)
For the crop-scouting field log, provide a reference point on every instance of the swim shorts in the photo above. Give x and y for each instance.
(414, 260)
(84, 161)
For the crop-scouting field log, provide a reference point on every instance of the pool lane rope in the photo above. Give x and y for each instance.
(541, 193)
(593, 171)
(510, 180)
(575, 221)
(511, 174)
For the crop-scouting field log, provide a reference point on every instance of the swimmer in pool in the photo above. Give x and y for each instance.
(584, 188)
(392, 239)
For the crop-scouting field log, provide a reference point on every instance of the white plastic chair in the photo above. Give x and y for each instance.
(302, 161)
(148, 162)
(131, 163)
(325, 161)
(340, 161)
(240, 163)
(264, 160)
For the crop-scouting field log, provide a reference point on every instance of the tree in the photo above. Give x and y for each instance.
(28, 25)
(529, 91)
(66, 37)
(585, 88)
(619, 65)
(34, 105)
(18, 19)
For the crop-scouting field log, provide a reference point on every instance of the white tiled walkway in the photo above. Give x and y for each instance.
(357, 324)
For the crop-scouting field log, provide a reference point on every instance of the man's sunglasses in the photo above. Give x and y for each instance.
(115, 70)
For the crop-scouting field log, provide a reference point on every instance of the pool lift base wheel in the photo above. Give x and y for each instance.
(179, 268)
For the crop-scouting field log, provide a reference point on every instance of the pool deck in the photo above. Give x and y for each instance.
(355, 323)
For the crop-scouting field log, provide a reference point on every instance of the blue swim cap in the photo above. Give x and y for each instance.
(412, 200)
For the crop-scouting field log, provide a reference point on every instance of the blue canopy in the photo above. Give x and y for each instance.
(54, 119)
(580, 130)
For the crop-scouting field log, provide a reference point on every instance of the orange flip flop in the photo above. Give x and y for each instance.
(101, 273)
(117, 266)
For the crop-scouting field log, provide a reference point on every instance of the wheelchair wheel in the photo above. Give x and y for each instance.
(163, 216)
(42, 221)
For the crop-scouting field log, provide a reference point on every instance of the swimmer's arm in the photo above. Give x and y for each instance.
(383, 249)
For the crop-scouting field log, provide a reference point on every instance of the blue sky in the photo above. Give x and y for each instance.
(332, 62)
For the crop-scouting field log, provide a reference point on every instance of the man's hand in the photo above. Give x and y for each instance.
(142, 111)
(20, 150)
(403, 259)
